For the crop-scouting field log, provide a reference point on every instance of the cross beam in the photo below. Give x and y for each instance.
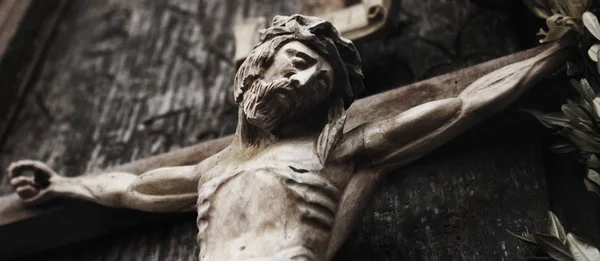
(29, 229)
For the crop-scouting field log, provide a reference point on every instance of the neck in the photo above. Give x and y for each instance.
(306, 125)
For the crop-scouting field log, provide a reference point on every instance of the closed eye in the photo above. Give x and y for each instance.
(302, 60)
(288, 74)
(299, 63)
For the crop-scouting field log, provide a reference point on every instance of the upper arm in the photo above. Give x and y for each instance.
(409, 135)
(170, 189)
(175, 180)
(168, 180)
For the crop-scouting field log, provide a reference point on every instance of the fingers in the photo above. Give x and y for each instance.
(39, 169)
(27, 192)
(29, 187)
(21, 181)
(25, 187)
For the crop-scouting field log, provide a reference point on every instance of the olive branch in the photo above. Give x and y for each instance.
(579, 119)
(573, 22)
(560, 245)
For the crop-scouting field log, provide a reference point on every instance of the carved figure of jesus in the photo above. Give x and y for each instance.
(292, 183)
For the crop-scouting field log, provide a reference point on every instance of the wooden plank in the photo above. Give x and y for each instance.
(25, 50)
(315, 7)
(11, 14)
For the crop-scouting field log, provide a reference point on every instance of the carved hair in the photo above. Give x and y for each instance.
(317, 34)
(321, 36)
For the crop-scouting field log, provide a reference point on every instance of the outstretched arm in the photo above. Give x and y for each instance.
(171, 189)
(394, 142)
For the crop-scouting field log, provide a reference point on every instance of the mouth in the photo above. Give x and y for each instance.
(280, 92)
(267, 104)
(272, 105)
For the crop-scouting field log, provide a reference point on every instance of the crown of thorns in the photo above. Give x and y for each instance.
(319, 35)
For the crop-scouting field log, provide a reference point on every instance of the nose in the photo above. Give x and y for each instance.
(304, 77)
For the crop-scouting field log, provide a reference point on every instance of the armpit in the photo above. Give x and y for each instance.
(350, 147)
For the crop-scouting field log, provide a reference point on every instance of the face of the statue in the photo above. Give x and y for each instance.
(298, 80)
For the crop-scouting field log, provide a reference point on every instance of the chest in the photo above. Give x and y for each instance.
(296, 157)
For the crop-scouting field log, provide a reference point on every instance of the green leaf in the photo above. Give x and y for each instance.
(576, 114)
(588, 92)
(584, 141)
(551, 120)
(580, 118)
(592, 181)
(581, 250)
(524, 236)
(593, 162)
(593, 176)
(593, 52)
(563, 147)
(586, 106)
(598, 64)
(584, 88)
(553, 247)
(592, 187)
(596, 106)
(590, 21)
(555, 228)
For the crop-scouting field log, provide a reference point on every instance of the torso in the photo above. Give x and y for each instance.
(279, 204)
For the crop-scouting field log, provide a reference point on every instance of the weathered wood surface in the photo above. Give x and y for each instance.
(129, 79)
(11, 14)
(315, 7)
(457, 203)
(25, 48)
(433, 37)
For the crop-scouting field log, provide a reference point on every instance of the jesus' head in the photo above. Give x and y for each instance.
(300, 63)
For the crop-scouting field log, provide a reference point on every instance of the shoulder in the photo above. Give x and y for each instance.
(350, 147)
(220, 159)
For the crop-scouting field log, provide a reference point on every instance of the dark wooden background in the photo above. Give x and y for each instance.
(122, 80)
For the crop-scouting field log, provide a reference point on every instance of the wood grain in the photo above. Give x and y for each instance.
(25, 49)
(11, 14)
(457, 203)
(315, 7)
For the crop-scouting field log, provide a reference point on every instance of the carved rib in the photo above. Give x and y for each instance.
(317, 216)
(313, 195)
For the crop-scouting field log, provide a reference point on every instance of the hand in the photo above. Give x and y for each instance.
(31, 179)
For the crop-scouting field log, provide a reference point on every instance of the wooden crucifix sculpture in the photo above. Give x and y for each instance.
(292, 183)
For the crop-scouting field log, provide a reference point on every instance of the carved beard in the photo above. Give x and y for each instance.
(266, 105)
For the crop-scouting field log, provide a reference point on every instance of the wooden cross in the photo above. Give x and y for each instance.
(188, 156)
(21, 221)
